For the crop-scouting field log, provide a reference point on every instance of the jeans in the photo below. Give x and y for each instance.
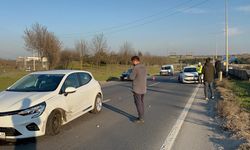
(209, 89)
(139, 103)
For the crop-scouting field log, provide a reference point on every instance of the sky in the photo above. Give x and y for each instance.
(160, 27)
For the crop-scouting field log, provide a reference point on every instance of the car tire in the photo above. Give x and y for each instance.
(54, 123)
(98, 104)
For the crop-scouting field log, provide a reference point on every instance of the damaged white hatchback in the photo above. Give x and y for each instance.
(41, 102)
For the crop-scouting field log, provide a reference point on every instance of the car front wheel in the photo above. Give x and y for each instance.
(54, 123)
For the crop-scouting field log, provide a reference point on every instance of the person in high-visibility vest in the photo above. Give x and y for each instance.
(199, 70)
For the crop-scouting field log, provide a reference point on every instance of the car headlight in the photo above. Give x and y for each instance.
(36, 111)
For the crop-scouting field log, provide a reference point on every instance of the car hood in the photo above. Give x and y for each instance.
(190, 73)
(11, 101)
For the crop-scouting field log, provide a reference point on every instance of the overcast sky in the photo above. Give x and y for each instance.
(160, 27)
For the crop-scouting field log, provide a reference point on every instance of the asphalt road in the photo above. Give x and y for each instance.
(113, 128)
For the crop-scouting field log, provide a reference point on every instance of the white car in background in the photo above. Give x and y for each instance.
(40, 102)
(167, 70)
(189, 75)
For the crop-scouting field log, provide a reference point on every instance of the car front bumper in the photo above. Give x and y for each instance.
(18, 127)
(190, 80)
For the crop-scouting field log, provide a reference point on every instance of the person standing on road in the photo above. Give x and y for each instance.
(208, 72)
(199, 70)
(217, 68)
(139, 86)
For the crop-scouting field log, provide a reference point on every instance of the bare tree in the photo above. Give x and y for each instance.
(45, 43)
(82, 49)
(100, 48)
(126, 51)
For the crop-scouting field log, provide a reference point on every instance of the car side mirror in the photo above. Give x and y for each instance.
(69, 90)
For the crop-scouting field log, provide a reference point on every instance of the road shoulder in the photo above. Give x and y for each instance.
(200, 129)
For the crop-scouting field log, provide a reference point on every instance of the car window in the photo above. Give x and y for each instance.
(166, 68)
(190, 70)
(71, 81)
(37, 83)
(84, 78)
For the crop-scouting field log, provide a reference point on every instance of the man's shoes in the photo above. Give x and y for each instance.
(139, 121)
(212, 97)
(206, 98)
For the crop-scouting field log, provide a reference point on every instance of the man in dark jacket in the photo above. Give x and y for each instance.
(208, 72)
(217, 68)
(139, 86)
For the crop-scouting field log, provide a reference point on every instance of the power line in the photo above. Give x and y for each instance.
(160, 18)
(144, 18)
(134, 21)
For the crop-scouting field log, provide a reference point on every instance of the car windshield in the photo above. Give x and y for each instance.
(190, 70)
(37, 83)
(166, 68)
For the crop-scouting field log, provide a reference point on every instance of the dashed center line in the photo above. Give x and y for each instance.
(154, 84)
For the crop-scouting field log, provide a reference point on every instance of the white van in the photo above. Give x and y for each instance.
(167, 70)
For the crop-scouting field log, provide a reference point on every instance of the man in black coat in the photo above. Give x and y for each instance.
(209, 73)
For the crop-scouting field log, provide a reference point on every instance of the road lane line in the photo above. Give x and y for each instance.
(107, 100)
(169, 142)
(154, 84)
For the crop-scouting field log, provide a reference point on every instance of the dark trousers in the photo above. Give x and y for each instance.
(139, 103)
(209, 89)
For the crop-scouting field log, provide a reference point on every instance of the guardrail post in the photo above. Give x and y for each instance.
(220, 76)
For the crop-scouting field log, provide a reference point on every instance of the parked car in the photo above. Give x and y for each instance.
(189, 75)
(167, 70)
(41, 102)
(125, 75)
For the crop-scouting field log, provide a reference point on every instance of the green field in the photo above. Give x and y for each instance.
(9, 77)
(101, 73)
(242, 90)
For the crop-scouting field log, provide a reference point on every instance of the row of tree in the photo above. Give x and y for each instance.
(44, 43)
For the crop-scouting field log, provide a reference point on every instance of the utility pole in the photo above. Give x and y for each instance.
(226, 34)
(216, 48)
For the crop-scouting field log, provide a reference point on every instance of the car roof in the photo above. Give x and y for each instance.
(189, 67)
(59, 72)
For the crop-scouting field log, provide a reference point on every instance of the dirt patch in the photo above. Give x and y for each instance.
(235, 118)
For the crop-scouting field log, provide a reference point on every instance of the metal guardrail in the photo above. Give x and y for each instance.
(242, 74)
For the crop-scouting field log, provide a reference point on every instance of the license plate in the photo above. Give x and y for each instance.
(2, 135)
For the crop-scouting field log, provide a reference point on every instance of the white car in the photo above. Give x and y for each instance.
(167, 70)
(189, 75)
(39, 103)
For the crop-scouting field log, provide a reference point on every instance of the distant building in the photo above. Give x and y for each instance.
(32, 63)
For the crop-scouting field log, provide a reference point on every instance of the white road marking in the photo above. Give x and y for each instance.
(173, 78)
(107, 100)
(154, 84)
(169, 142)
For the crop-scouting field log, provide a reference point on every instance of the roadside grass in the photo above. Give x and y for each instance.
(110, 72)
(242, 91)
(234, 107)
(101, 73)
(9, 77)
